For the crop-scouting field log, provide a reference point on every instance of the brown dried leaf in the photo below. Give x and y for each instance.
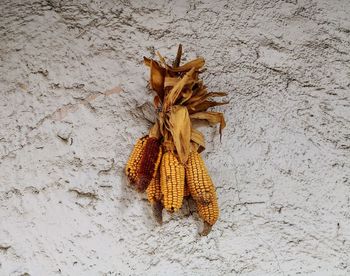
(198, 95)
(186, 95)
(203, 106)
(196, 64)
(180, 129)
(173, 94)
(155, 131)
(170, 81)
(147, 61)
(212, 118)
(203, 95)
(157, 78)
(198, 138)
(162, 61)
(161, 123)
(156, 102)
(178, 57)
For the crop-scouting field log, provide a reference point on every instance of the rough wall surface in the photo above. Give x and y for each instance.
(74, 100)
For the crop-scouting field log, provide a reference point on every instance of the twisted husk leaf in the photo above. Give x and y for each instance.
(197, 138)
(180, 129)
(157, 78)
(212, 118)
(174, 93)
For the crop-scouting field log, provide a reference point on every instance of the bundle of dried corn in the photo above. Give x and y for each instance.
(167, 162)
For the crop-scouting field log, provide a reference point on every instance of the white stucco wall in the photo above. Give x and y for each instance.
(74, 100)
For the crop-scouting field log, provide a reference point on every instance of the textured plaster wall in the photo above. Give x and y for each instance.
(73, 100)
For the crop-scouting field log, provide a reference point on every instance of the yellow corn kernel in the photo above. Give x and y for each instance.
(209, 212)
(172, 181)
(153, 191)
(133, 164)
(198, 180)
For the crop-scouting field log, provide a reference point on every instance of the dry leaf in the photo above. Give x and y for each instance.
(161, 123)
(198, 95)
(147, 61)
(154, 131)
(203, 95)
(186, 96)
(196, 64)
(203, 106)
(157, 78)
(172, 96)
(170, 81)
(212, 118)
(156, 102)
(180, 129)
(178, 57)
(198, 138)
(162, 60)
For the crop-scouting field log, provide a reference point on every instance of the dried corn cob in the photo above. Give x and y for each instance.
(133, 163)
(209, 212)
(181, 98)
(149, 162)
(172, 181)
(154, 193)
(198, 180)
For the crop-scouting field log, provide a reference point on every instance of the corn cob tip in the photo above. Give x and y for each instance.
(206, 229)
(157, 208)
(153, 190)
(198, 180)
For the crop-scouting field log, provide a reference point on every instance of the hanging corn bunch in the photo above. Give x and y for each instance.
(167, 163)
